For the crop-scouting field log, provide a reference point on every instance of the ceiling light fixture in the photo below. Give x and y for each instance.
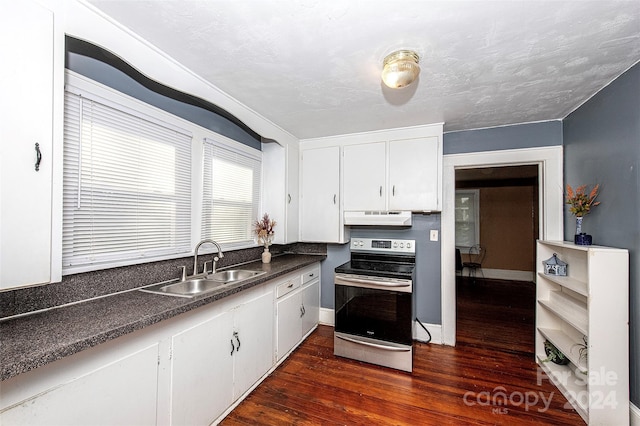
(400, 68)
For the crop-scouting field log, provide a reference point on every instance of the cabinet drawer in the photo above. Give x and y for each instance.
(287, 286)
(310, 274)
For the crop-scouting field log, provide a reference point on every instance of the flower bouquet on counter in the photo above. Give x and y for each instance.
(263, 228)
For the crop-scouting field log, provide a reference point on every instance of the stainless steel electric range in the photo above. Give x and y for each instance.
(374, 303)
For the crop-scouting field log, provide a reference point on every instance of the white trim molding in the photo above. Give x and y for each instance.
(503, 274)
(434, 336)
(327, 317)
(550, 170)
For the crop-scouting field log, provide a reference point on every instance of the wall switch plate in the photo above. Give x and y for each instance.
(434, 235)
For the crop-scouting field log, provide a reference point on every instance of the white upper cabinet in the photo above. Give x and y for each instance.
(26, 121)
(320, 212)
(394, 175)
(414, 174)
(365, 186)
(280, 196)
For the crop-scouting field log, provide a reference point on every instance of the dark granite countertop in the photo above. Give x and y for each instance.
(34, 340)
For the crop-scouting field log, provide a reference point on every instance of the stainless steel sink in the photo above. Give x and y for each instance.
(234, 275)
(200, 285)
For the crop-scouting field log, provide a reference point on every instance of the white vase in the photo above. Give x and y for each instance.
(266, 256)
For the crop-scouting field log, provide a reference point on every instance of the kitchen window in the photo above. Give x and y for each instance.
(231, 192)
(467, 213)
(127, 186)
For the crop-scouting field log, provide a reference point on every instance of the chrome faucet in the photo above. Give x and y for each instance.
(215, 259)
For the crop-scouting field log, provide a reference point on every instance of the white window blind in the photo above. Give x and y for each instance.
(467, 218)
(231, 193)
(127, 187)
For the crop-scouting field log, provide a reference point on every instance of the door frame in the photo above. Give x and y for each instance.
(551, 195)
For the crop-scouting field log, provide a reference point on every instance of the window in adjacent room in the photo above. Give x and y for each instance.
(467, 218)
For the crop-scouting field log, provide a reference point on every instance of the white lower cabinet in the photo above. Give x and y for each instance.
(216, 361)
(187, 370)
(297, 311)
(120, 392)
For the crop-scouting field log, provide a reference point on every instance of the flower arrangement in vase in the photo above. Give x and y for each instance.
(263, 228)
(581, 204)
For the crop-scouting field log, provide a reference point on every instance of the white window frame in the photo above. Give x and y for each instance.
(246, 157)
(81, 84)
(473, 238)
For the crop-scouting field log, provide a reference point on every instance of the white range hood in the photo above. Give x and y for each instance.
(379, 218)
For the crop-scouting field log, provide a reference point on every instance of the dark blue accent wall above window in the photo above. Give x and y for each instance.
(106, 68)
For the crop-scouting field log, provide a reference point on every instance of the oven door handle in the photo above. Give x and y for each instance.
(372, 282)
(373, 345)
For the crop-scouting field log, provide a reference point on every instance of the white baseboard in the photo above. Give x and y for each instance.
(434, 329)
(503, 274)
(327, 317)
(634, 415)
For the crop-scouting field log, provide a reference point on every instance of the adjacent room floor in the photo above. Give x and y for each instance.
(489, 378)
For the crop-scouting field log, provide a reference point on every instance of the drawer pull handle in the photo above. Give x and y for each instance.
(290, 285)
(233, 348)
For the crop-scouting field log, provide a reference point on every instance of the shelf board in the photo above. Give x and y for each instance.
(572, 318)
(572, 387)
(566, 345)
(572, 284)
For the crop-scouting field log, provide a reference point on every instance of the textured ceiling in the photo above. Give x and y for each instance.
(313, 66)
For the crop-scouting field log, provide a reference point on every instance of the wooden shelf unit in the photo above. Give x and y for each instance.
(592, 301)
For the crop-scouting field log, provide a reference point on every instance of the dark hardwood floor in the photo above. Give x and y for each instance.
(489, 378)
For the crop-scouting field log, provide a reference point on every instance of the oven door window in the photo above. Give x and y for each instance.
(378, 314)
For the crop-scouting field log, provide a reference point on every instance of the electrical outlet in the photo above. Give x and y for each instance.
(434, 235)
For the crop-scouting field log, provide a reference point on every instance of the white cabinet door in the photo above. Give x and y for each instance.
(288, 317)
(253, 336)
(280, 189)
(311, 306)
(364, 176)
(216, 361)
(120, 393)
(293, 193)
(320, 196)
(26, 83)
(413, 174)
(202, 371)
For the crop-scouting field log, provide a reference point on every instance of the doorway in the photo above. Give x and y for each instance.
(549, 163)
(497, 209)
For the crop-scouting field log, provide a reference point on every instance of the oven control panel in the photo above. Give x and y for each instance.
(383, 245)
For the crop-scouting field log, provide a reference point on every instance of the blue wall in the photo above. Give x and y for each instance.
(602, 145)
(529, 135)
